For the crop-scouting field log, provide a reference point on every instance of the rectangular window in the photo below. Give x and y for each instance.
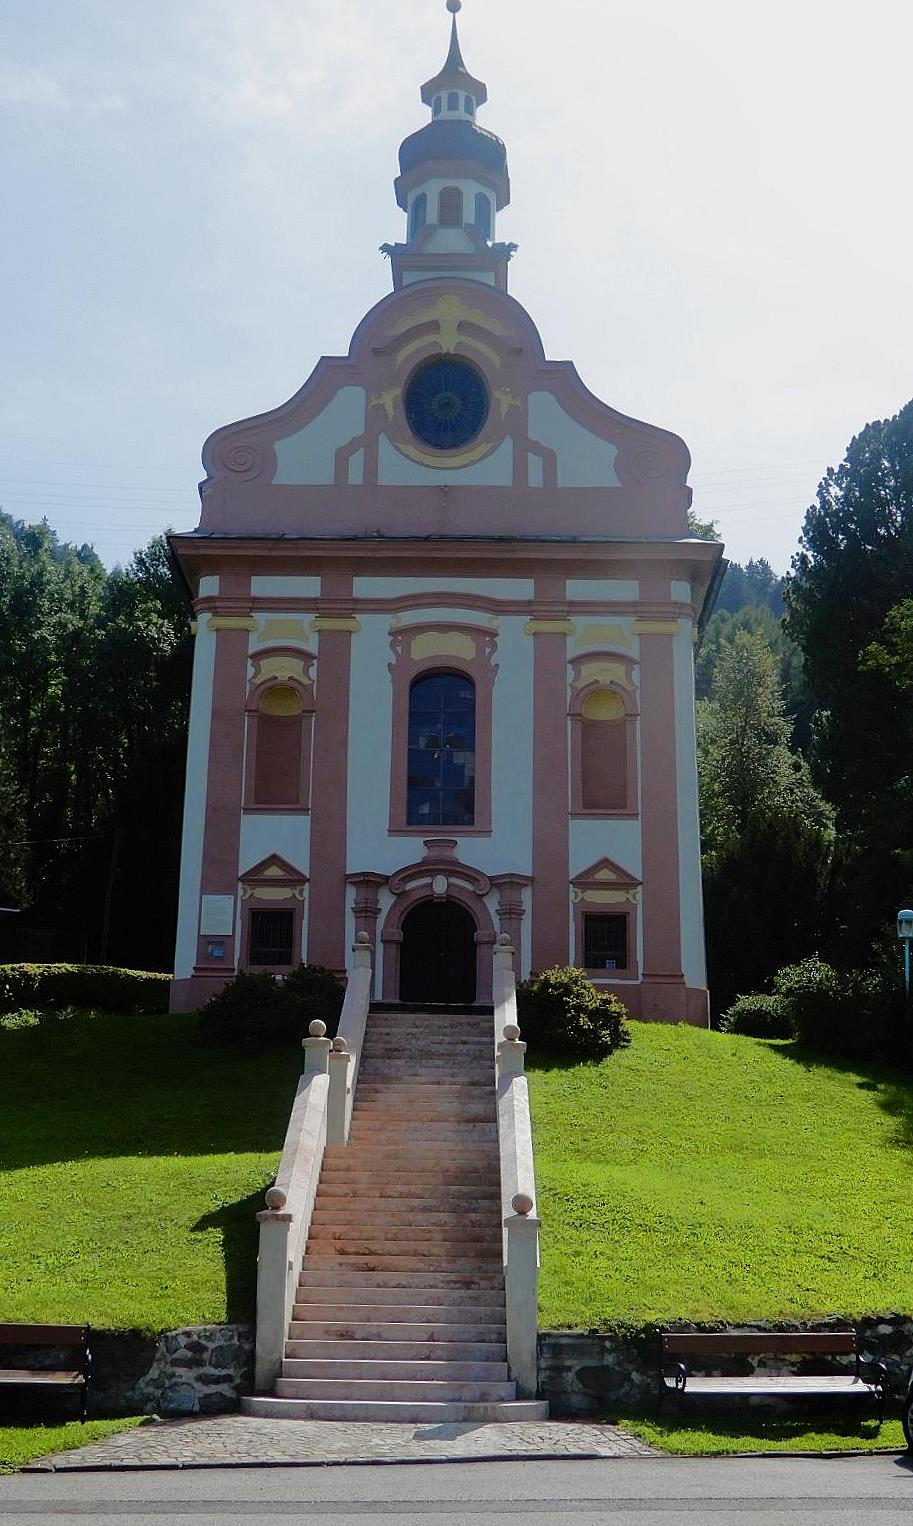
(605, 942)
(271, 937)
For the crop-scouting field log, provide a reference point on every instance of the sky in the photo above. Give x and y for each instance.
(712, 203)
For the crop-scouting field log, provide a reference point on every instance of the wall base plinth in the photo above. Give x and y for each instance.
(662, 1001)
(190, 993)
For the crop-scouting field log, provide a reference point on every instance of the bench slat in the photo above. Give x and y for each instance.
(778, 1383)
(19, 1376)
(43, 1335)
(774, 1343)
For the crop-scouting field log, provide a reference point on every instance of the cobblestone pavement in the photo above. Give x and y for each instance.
(246, 1441)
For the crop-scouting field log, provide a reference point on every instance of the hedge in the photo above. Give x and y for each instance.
(98, 986)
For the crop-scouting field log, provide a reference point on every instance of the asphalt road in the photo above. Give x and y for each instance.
(615, 1492)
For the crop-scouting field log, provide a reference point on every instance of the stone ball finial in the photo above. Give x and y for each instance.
(340, 1046)
(504, 940)
(362, 938)
(317, 1029)
(276, 1198)
(511, 1032)
(521, 1203)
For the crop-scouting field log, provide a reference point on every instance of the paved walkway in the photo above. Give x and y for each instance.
(245, 1442)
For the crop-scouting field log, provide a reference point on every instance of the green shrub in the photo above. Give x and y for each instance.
(100, 987)
(259, 1011)
(561, 1012)
(759, 1017)
(317, 993)
(855, 1013)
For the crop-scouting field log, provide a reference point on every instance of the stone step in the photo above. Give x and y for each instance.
(454, 1231)
(404, 1262)
(440, 1389)
(345, 1312)
(421, 1114)
(395, 1351)
(405, 1412)
(400, 1372)
(363, 1294)
(332, 1275)
(405, 1194)
(391, 1330)
(420, 1214)
(459, 1250)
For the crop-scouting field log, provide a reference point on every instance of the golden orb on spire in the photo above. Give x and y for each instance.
(454, 5)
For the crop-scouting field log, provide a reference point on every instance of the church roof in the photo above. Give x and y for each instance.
(453, 138)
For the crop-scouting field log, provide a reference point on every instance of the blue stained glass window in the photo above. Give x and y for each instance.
(446, 403)
(442, 751)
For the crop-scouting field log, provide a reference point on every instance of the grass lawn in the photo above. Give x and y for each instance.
(134, 1158)
(697, 1176)
(719, 1434)
(20, 1444)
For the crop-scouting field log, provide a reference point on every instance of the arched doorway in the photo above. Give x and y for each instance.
(437, 962)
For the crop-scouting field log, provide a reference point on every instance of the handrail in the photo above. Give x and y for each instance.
(320, 1115)
(348, 1043)
(518, 1182)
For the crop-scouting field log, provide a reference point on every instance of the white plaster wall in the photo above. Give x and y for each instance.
(495, 588)
(286, 833)
(584, 459)
(204, 659)
(296, 588)
(689, 837)
(449, 241)
(603, 588)
(681, 591)
(208, 585)
(396, 470)
(308, 457)
(592, 838)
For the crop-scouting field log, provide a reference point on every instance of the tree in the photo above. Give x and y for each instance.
(852, 574)
(767, 834)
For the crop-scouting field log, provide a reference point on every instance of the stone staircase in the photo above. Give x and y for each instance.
(400, 1310)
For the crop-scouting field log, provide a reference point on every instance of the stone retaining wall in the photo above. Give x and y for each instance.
(583, 1373)
(203, 1369)
(197, 1370)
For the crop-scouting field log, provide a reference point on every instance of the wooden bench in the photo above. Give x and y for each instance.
(679, 1347)
(73, 1338)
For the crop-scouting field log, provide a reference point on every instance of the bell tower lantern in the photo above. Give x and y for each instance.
(453, 182)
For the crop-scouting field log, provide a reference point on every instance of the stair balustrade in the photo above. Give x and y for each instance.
(518, 1184)
(321, 1114)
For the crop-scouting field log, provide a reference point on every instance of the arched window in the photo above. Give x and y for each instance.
(469, 105)
(419, 213)
(453, 101)
(438, 105)
(450, 207)
(483, 215)
(440, 787)
(603, 752)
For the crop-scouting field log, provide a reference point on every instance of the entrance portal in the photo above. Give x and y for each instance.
(437, 962)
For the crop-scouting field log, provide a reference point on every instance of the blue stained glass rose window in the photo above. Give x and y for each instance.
(446, 403)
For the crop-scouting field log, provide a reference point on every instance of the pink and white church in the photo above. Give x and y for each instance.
(446, 601)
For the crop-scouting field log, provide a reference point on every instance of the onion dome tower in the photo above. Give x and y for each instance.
(453, 181)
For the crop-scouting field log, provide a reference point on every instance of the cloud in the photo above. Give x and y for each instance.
(34, 90)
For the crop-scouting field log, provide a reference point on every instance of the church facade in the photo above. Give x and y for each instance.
(446, 601)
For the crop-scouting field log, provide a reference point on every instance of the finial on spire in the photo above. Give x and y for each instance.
(454, 72)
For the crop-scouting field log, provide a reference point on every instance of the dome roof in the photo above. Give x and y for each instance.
(453, 138)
